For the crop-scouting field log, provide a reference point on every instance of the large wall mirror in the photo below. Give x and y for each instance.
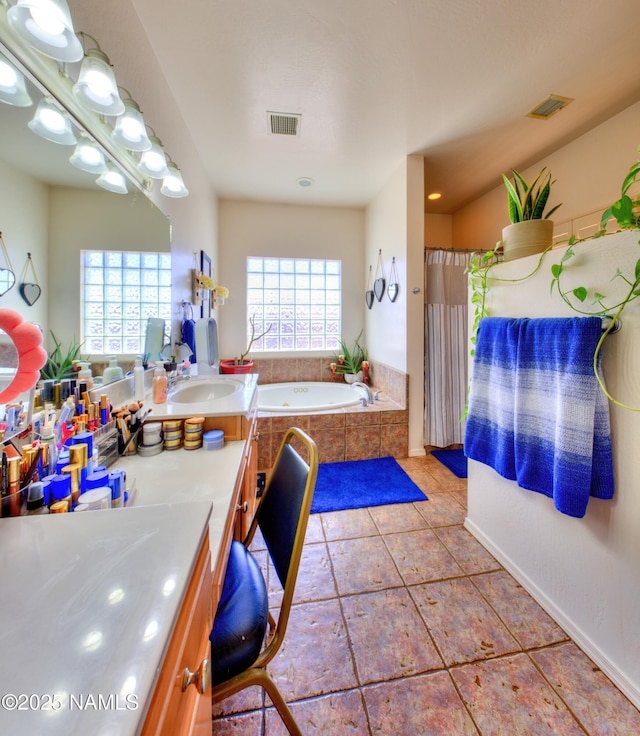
(52, 211)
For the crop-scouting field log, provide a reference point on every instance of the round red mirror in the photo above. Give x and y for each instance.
(27, 339)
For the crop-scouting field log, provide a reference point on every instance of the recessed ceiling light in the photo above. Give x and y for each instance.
(305, 181)
(434, 195)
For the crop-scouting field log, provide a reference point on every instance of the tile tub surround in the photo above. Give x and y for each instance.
(354, 433)
(403, 623)
(392, 383)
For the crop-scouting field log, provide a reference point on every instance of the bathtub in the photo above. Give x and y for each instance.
(305, 397)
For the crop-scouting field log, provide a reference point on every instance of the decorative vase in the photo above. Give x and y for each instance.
(526, 238)
(353, 377)
(230, 366)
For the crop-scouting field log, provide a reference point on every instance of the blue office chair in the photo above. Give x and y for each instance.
(238, 657)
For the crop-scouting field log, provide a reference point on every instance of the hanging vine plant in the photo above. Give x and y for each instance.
(577, 299)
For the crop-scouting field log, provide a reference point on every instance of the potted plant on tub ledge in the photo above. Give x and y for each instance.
(349, 362)
(531, 231)
(241, 364)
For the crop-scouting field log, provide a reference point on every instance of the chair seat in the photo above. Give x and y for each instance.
(241, 619)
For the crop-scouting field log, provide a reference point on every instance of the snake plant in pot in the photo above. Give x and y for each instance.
(531, 230)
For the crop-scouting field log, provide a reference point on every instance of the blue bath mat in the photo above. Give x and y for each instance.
(358, 483)
(455, 460)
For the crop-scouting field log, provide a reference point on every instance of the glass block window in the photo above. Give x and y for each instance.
(300, 299)
(119, 292)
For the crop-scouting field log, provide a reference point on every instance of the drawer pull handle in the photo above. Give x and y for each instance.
(244, 507)
(256, 437)
(200, 678)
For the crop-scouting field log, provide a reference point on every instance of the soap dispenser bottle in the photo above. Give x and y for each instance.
(84, 374)
(113, 372)
(160, 384)
(138, 380)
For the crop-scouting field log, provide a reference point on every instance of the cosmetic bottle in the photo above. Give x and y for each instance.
(160, 384)
(35, 500)
(85, 375)
(138, 380)
(113, 372)
(49, 441)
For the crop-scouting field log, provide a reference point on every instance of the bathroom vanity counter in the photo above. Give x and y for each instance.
(89, 604)
(240, 402)
(187, 476)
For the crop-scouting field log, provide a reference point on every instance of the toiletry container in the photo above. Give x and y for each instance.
(138, 380)
(193, 433)
(113, 372)
(160, 384)
(85, 375)
(207, 347)
(97, 498)
(35, 499)
(151, 433)
(213, 439)
(172, 434)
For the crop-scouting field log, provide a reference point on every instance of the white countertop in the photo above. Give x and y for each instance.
(88, 603)
(240, 403)
(188, 475)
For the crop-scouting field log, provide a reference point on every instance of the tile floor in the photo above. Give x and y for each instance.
(404, 625)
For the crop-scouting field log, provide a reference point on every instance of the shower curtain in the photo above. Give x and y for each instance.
(446, 349)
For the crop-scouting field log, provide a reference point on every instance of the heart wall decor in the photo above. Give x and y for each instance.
(30, 293)
(380, 281)
(393, 288)
(7, 276)
(368, 294)
(368, 297)
(7, 280)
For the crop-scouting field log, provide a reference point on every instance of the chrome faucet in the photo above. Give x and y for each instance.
(360, 384)
(173, 380)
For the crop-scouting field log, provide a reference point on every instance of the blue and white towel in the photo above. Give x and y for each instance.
(536, 413)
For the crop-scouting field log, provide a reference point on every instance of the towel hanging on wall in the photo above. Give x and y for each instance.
(189, 329)
(536, 412)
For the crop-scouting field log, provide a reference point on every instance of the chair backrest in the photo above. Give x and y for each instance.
(284, 512)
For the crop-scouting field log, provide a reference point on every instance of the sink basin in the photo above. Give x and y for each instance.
(205, 391)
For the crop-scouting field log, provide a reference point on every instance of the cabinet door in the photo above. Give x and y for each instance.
(248, 482)
(178, 708)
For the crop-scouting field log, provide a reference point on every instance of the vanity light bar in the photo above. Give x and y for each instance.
(48, 29)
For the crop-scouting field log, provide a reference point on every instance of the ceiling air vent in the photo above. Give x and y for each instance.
(549, 107)
(283, 123)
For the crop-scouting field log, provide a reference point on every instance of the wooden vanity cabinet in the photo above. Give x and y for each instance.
(248, 480)
(244, 502)
(181, 702)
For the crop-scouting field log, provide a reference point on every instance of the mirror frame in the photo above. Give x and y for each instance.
(27, 339)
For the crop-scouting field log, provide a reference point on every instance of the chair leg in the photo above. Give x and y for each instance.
(283, 709)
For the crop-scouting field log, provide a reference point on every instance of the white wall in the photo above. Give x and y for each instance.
(438, 231)
(295, 231)
(589, 172)
(585, 572)
(24, 213)
(395, 226)
(386, 321)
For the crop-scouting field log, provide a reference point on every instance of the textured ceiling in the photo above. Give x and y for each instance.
(376, 80)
